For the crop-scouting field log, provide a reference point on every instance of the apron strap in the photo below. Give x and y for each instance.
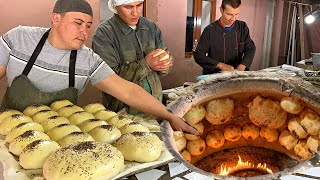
(72, 66)
(35, 53)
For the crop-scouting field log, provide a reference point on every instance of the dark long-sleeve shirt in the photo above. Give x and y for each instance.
(217, 44)
(124, 50)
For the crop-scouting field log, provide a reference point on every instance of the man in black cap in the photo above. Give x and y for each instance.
(44, 65)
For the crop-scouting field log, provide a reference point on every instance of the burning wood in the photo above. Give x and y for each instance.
(225, 170)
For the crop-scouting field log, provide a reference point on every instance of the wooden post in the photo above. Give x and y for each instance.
(144, 13)
(213, 10)
(301, 32)
(197, 14)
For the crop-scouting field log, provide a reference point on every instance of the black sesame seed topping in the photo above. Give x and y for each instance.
(93, 120)
(27, 134)
(139, 133)
(76, 133)
(79, 112)
(22, 124)
(62, 125)
(84, 146)
(33, 145)
(43, 111)
(134, 123)
(107, 127)
(17, 116)
(53, 117)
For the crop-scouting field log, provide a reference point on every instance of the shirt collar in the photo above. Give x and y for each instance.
(125, 28)
(223, 26)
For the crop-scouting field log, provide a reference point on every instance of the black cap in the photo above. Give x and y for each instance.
(63, 6)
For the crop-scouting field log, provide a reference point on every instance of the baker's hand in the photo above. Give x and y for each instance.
(179, 124)
(225, 67)
(156, 64)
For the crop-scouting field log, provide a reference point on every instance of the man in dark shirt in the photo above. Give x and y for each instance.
(225, 45)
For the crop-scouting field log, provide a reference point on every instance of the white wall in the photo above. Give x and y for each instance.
(205, 18)
(105, 12)
(189, 8)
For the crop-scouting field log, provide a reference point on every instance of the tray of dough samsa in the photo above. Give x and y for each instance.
(65, 141)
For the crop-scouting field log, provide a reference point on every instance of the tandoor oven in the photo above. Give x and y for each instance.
(251, 126)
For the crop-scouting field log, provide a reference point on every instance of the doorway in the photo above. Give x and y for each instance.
(200, 13)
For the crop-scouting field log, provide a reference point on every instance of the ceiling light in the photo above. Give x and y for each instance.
(309, 19)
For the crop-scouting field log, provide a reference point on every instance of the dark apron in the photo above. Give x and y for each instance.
(22, 93)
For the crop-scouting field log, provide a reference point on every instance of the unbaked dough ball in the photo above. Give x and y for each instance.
(8, 112)
(219, 111)
(199, 127)
(90, 124)
(119, 121)
(177, 135)
(21, 128)
(133, 127)
(54, 121)
(301, 149)
(12, 121)
(269, 135)
(294, 126)
(86, 160)
(80, 117)
(105, 133)
(43, 115)
(250, 131)
(33, 109)
(19, 143)
(94, 107)
(264, 112)
(104, 114)
(68, 110)
(150, 122)
(161, 51)
(215, 139)
(287, 140)
(75, 137)
(196, 147)
(195, 115)
(292, 105)
(313, 143)
(186, 156)
(62, 130)
(310, 121)
(191, 137)
(59, 104)
(139, 146)
(36, 153)
(181, 144)
(232, 132)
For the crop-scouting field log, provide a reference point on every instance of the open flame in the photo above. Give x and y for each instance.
(225, 171)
